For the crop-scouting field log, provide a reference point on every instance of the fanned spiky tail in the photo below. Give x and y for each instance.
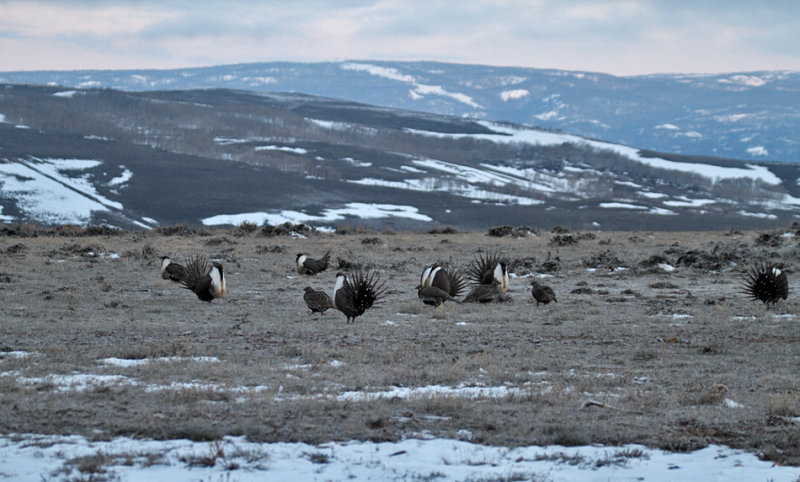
(196, 269)
(481, 268)
(765, 283)
(457, 282)
(365, 288)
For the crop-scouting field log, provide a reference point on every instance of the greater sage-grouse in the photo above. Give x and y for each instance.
(485, 293)
(171, 270)
(356, 294)
(542, 293)
(446, 278)
(205, 280)
(484, 269)
(311, 266)
(433, 295)
(317, 301)
(766, 283)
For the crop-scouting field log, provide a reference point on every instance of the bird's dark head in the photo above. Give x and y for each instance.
(534, 283)
(308, 289)
(298, 256)
(219, 267)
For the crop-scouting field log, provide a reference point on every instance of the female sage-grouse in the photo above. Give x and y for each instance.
(355, 295)
(542, 293)
(433, 295)
(171, 270)
(484, 269)
(204, 280)
(766, 283)
(317, 301)
(446, 278)
(311, 266)
(485, 293)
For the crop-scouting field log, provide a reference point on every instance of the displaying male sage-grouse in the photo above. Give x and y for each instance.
(311, 266)
(766, 283)
(542, 293)
(433, 295)
(205, 280)
(446, 278)
(357, 294)
(171, 270)
(317, 301)
(485, 268)
(485, 293)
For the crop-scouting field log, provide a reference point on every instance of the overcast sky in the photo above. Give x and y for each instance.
(623, 37)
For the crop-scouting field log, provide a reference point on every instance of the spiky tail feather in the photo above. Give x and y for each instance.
(366, 289)
(196, 269)
(457, 282)
(481, 268)
(765, 283)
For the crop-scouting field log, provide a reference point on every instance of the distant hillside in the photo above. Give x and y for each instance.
(748, 115)
(218, 156)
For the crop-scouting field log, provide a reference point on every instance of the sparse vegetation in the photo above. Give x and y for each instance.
(625, 356)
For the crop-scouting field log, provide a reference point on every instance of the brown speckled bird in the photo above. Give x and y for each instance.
(432, 295)
(485, 293)
(317, 301)
(542, 293)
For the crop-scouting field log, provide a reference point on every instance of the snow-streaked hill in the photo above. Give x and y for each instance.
(140, 159)
(748, 115)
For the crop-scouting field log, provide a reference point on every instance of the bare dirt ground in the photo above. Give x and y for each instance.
(632, 352)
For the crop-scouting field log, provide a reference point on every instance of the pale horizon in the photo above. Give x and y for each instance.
(617, 37)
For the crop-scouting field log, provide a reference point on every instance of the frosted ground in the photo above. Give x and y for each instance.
(37, 457)
(651, 365)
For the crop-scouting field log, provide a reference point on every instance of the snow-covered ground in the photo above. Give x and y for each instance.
(27, 457)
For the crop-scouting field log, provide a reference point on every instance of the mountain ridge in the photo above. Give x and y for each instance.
(152, 158)
(741, 115)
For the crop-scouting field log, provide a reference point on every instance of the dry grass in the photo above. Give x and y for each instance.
(675, 360)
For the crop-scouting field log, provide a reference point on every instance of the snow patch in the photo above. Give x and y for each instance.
(618, 205)
(358, 210)
(512, 135)
(744, 80)
(293, 150)
(757, 151)
(378, 71)
(515, 94)
(126, 176)
(38, 457)
(46, 193)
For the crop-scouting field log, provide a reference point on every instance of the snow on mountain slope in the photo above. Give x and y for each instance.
(749, 115)
(289, 157)
(55, 191)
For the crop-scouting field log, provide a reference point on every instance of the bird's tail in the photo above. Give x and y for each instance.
(196, 269)
(367, 289)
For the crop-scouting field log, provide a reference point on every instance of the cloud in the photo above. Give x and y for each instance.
(616, 36)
